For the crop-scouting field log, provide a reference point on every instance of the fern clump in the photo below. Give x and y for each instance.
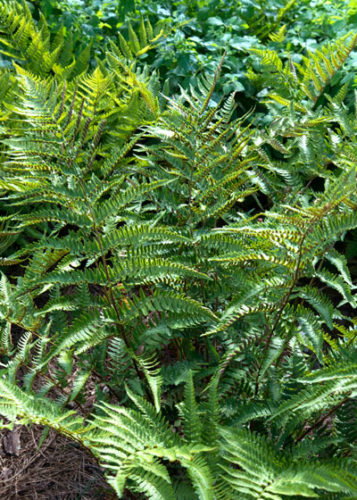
(185, 262)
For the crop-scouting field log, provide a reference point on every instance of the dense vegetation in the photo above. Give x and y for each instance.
(178, 246)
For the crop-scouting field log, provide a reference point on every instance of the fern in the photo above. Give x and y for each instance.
(184, 261)
(21, 39)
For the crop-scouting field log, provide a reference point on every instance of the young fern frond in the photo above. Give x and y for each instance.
(21, 39)
(140, 40)
(192, 151)
(308, 80)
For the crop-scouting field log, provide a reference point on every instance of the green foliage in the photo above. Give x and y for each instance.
(185, 261)
(200, 30)
(22, 39)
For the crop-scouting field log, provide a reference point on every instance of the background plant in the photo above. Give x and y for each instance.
(201, 31)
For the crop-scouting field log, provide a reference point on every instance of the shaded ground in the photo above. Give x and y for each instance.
(59, 470)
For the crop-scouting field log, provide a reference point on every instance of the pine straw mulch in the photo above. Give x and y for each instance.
(59, 470)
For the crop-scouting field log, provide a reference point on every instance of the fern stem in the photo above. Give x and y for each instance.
(284, 303)
(321, 420)
(108, 291)
(213, 86)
